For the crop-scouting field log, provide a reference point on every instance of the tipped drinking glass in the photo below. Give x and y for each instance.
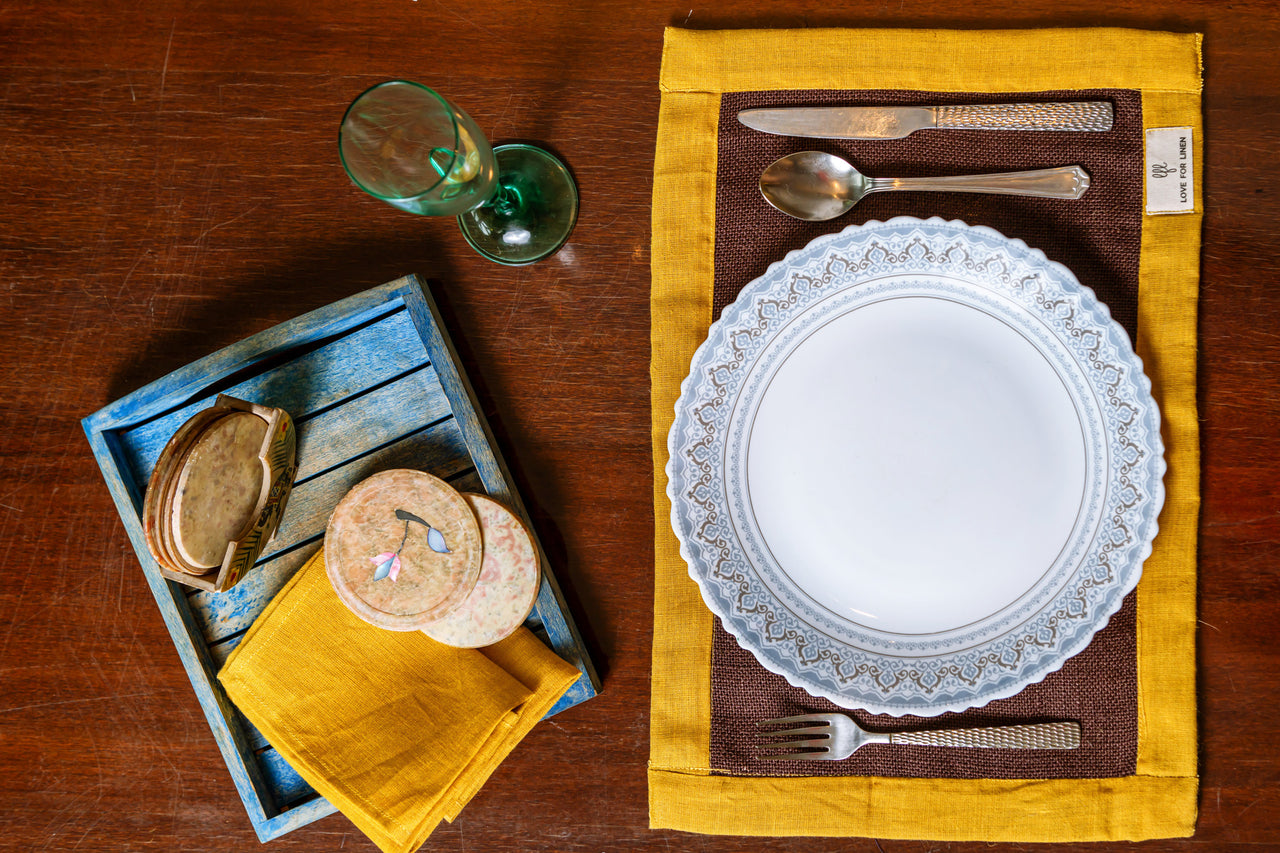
(406, 145)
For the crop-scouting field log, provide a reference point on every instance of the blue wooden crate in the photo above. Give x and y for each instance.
(372, 383)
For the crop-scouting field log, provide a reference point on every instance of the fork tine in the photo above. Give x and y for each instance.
(823, 743)
(811, 730)
(818, 727)
(825, 755)
(799, 718)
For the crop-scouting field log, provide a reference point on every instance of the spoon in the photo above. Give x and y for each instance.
(815, 186)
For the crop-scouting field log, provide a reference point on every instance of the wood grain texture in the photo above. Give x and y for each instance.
(169, 186)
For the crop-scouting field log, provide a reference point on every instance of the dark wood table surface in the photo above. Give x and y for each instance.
(168, 186)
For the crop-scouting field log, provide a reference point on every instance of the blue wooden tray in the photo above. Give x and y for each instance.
(372, 383)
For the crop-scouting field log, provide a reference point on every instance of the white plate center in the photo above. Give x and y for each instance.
(916, 465)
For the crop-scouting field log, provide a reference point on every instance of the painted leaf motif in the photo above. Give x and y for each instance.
(436, 540)
(405, 515)
(384, 565)
(395, 567)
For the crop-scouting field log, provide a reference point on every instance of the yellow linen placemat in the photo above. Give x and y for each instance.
(396, 730)
(1159, 799)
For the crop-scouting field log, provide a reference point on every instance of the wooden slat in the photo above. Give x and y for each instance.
(227, 614)
(466, 481)
(338, 370)
(437, 449)
(370, 421)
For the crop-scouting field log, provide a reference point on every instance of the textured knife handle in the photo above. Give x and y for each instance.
(1088, 115)
(1038, 736)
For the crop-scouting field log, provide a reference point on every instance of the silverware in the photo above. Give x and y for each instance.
(897, 122)
(814, 186)
(834, 737)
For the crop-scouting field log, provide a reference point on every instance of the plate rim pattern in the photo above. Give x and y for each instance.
(1001, 666)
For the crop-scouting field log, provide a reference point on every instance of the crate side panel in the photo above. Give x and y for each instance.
(299, 814)
(251, 356)
(220, 652)
(286, 784)
(493, 470)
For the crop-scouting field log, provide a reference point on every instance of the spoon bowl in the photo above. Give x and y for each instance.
(812, 186)
(816, 186)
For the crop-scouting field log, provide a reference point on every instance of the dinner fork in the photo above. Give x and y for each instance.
(834, 737)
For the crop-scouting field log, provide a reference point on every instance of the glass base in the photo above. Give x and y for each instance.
(532, 212)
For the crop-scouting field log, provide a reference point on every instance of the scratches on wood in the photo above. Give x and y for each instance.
(164, 69)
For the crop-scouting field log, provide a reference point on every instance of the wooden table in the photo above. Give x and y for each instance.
(169, 185)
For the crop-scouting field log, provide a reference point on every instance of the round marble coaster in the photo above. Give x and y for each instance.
(508, 584)
(218, 488)
(402, 549)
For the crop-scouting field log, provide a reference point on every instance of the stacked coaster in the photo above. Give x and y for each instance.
(406, 552)
(217, 492)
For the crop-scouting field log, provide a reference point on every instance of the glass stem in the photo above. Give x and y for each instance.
(506, 199)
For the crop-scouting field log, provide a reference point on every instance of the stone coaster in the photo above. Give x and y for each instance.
(218, 488)
(508, 584)
(403, 549)
(217, 492)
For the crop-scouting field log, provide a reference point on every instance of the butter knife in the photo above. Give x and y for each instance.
(897, 122)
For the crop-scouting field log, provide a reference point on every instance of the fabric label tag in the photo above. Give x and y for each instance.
(1170, 171)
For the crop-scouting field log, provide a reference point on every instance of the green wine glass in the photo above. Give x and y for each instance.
(403, 143)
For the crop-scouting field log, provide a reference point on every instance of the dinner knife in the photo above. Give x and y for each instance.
(897, 122)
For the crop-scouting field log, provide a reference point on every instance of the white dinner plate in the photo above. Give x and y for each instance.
(915, 467)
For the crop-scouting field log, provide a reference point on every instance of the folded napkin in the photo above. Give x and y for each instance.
(393, 728)
(1133, 689)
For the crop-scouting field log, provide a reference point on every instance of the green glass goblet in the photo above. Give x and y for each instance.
(406, 145)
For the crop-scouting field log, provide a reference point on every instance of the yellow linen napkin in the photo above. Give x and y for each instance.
(1159, 799)
(393, 728)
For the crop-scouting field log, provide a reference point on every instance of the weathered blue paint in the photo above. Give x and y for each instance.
(372, 383)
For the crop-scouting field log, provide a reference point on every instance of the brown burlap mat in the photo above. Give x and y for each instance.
(1098, 238)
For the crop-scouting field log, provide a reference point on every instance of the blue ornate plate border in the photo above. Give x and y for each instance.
(841, 668)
